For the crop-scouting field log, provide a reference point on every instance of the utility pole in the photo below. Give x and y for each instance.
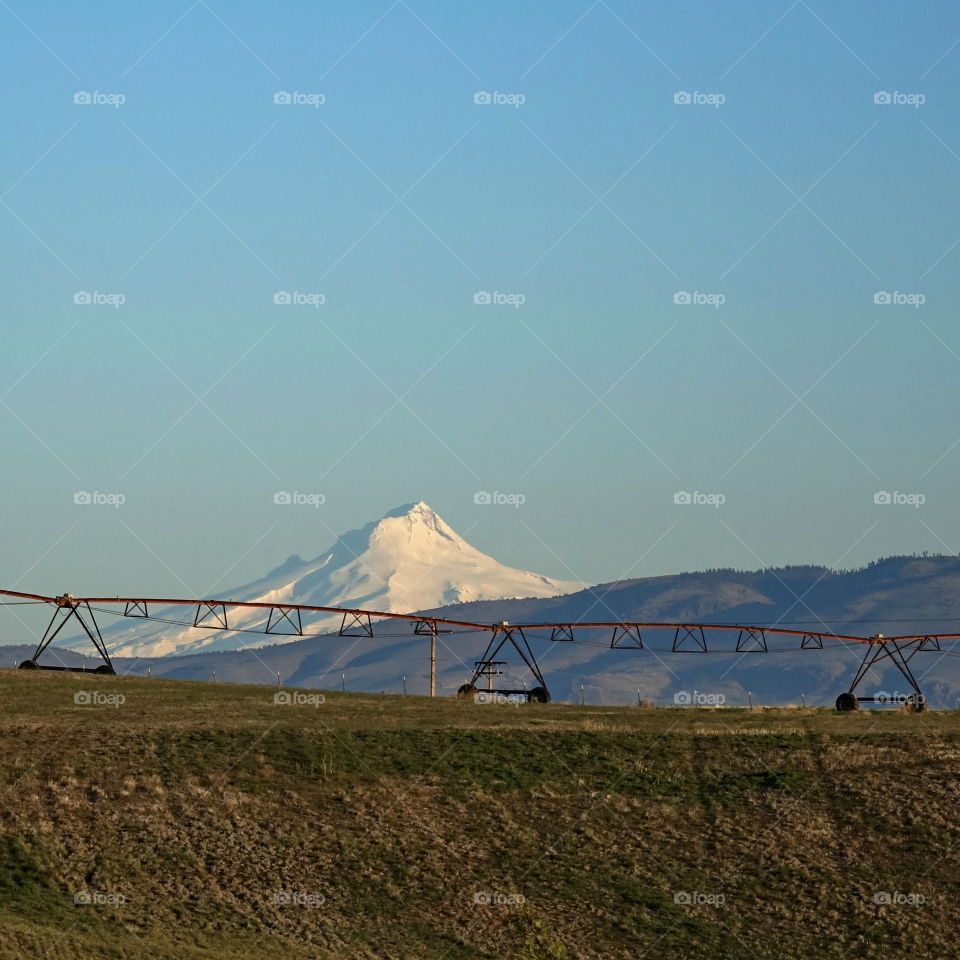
(428, 628)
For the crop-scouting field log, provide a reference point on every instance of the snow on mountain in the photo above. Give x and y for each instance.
(408, 561)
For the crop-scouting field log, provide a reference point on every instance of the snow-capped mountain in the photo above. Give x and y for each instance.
(408, 561)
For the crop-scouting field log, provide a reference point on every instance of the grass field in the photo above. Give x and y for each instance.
(167, 819)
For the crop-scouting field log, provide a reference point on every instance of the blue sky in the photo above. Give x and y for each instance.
(783, 190)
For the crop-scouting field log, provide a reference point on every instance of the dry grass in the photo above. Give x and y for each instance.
(386, 818)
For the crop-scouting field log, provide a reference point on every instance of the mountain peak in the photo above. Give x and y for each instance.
(418, 510)
(417, 527)
(409, 560)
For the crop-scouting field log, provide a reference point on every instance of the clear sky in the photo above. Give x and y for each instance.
(582, 198)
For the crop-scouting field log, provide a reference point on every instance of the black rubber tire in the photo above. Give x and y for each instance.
(539, 695)
(919, 705)
(466, 691)
(28, 665)
(847, 702)
(105, 668)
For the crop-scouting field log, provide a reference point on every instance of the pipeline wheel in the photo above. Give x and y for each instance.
(105, 668)
(847, 701)
(28, 665)
(466, 691)
(918, 704)
(539, 695)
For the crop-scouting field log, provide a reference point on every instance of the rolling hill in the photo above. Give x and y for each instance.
(163, 820)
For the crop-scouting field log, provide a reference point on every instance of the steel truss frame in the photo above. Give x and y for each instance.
(70, 608)
(488, 666)
(900, 655)
(286, 620)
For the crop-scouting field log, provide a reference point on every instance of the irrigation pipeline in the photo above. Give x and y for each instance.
(286, 620)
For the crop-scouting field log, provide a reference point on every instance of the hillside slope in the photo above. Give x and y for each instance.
(195, 821)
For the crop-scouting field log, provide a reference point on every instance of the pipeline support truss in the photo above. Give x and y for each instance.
(69, 608)
(286, 620)
(899, 654)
